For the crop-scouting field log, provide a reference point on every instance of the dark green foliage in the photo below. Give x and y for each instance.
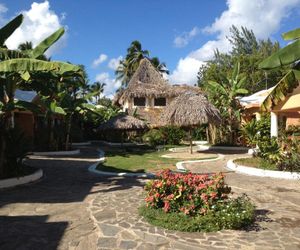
(234, 214)
(154, 137)
(172, 135)
(17, 146)
(199, 133)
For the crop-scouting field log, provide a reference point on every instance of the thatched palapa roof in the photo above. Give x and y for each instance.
(190, 109)
(123, 122)
(148, 82)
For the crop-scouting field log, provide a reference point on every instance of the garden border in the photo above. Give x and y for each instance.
(16, 181)
(261, 172)
(50, 153)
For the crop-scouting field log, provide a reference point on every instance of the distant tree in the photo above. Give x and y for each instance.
(247, 50)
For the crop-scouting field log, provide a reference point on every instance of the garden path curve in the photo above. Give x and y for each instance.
(71, 208)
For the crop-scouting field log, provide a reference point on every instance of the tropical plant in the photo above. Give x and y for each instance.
(22, 72)
(288, 56)
(224, 96)
(249, 132)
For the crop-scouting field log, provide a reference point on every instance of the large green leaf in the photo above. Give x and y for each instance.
(22, 65)
(284, 56)
(23, 105)
(281, 89)
(291, 35)
(41, 48)
(9, 28)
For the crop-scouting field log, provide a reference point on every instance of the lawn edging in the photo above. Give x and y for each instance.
(180, 165)
(60, 153)
(93, 169)
(262, 172)
(16, 181)
(229, 148)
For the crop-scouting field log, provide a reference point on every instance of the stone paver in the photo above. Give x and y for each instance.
(73, 209)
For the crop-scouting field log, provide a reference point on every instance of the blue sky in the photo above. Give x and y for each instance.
(183, 34)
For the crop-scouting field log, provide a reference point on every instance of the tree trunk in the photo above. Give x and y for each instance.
(69, 124)
(2, 155)
(191, 141)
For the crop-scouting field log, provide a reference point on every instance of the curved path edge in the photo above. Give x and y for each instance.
(261, 172)
(50, 153)
(16, 181)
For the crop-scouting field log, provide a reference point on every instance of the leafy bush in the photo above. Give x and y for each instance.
(289, 155)
(154, 137)
(249, 133)
(193, 202)
(269, 148)
(172, 135)
(199, 133)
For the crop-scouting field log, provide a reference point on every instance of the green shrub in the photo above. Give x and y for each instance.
(199, 133)
(193, 202)
(154, 137)
(233, 214)
(172, 135)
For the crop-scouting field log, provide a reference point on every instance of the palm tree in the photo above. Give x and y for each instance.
(160, 66)
(98, 89)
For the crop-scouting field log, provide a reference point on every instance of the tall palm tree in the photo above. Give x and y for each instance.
(129, 65)
(97, 88)
(160, 66)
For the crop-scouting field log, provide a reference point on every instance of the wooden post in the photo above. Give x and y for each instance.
(191, 142)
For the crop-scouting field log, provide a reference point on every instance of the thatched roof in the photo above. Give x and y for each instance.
(148, 82)
(190, 109)
(123, 122)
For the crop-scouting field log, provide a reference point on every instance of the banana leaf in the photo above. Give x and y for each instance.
(285, 86)
(9, 28)
(22, 65)
(291, 35)
(284, 56)
(41, 48)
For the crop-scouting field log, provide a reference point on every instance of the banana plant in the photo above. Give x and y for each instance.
(226, 94)
(288, 56)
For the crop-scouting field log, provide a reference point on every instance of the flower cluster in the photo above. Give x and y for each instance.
(188, 193)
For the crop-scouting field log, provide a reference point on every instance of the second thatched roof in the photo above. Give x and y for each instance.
(190, 109)
(123, 122)
(148, 82)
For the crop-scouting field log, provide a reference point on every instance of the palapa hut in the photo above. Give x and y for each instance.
(123, 123)
(189, 110)
(148, 93)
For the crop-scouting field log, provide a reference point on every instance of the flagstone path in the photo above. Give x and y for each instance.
(71, 208)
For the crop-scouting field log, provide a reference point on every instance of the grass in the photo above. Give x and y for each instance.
(137, 160)
(236, 214)
(256, 162)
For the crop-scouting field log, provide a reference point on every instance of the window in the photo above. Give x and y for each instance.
(160, 101)
(139, 101)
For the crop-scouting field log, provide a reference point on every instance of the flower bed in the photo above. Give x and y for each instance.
(193, 202)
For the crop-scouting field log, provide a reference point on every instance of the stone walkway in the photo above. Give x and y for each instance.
(71, 208)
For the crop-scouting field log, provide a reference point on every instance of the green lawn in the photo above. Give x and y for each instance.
(137, 160)
(256, 162)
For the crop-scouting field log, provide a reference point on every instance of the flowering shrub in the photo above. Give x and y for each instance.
(191, 194)
(194, 203)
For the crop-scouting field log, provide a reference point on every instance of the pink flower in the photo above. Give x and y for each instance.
(166, 206)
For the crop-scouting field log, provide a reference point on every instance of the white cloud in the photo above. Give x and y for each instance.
(39, 22)
(101, 58)
(264, 17)
(185, 38)
(3, 10)
(111, 84)
(114, 62)
(185, 71)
